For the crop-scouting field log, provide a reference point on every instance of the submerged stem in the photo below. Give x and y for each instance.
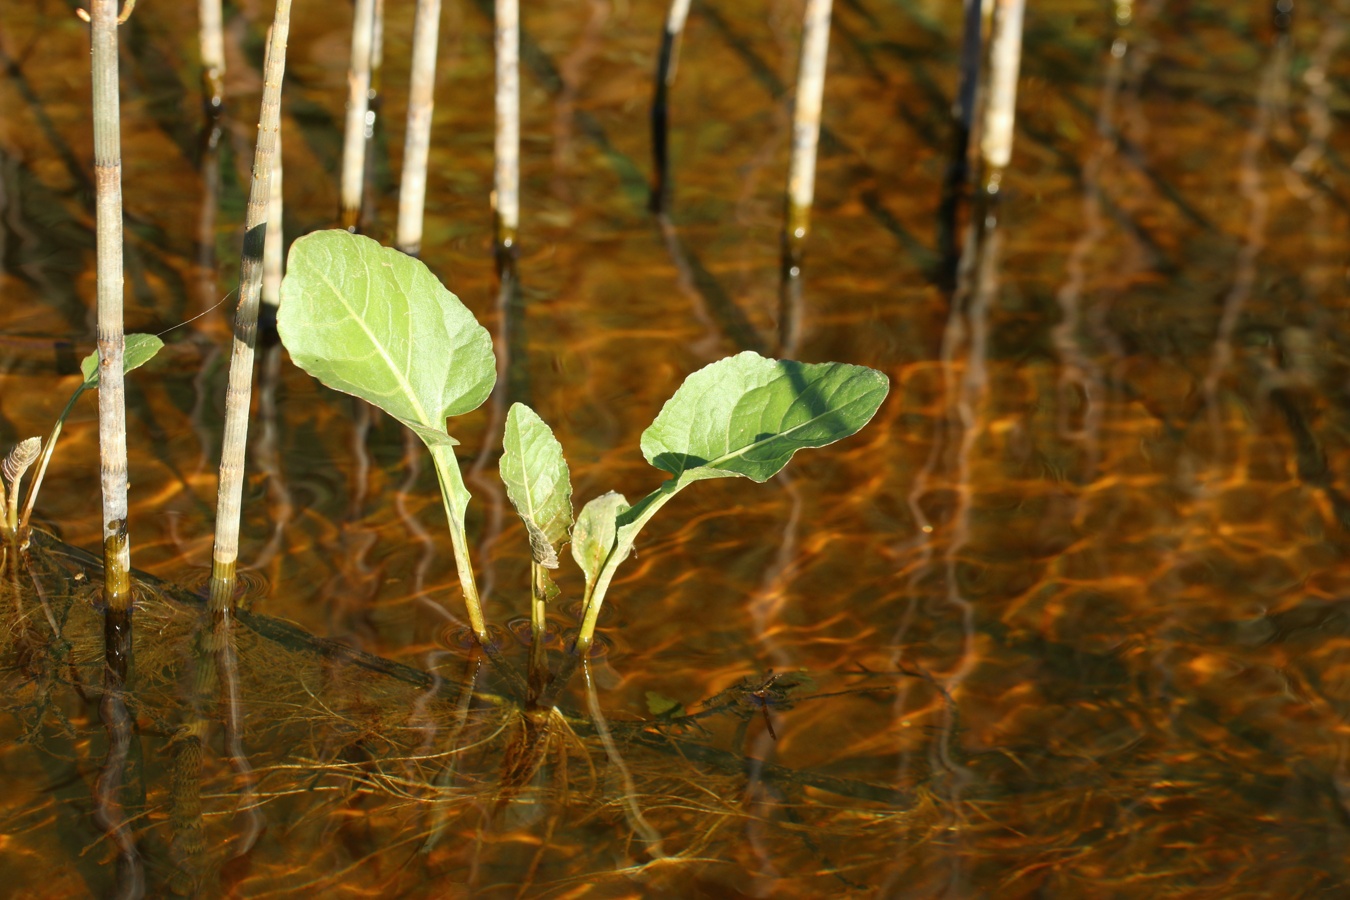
(239, 391)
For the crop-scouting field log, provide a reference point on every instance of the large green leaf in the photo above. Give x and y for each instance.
(746, 415)
(593, 536)
(537, 482)
(373, 322)
(138, 350)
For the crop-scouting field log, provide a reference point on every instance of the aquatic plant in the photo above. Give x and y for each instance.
(375, 323)
(239, 389)
(112, 414)
(14, 523)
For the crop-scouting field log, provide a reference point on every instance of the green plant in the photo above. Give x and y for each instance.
(374, 323)
(139, 349)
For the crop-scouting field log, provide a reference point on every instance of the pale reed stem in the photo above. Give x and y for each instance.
(506, 173)
(806, 119)
(240, 387)
(417, 146)
(213, 53)
(358, 109)
(272, 244)
(1005, 58)
(112, 421)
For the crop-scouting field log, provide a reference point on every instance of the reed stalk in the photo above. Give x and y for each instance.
(112, 426)
(416, 147)
(239, 391)
(506, 172)
(1005, 58)
(666, 63)
(358, 112)
(273, 255)
(213, 54)
(802, 164)
(963, 124)
(376, 50)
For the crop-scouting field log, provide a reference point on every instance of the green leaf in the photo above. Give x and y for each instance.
(138, 350)
(375, 323)
(664, 707)
(746, 415)
(537, 482)
(593, 536)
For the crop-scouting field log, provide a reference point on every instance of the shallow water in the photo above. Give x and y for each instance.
(1068, 618)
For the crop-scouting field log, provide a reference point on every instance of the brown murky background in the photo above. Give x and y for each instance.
(1069, 618)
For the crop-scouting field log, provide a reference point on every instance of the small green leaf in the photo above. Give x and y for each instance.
(537, 482)
(139, 349)
(375, 323)
(593, 536)
(746, 415)
(664, 707)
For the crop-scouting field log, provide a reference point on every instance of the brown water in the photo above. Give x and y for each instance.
(1069, 618)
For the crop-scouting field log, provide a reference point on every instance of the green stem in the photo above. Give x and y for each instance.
(537, 677)
(36, 484)
(631, 523)
(538, 601)
(455, 497)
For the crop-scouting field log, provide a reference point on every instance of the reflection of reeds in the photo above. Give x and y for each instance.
(239, 391)
(417, 145)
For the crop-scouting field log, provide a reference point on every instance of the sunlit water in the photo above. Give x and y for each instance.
(1067, 619)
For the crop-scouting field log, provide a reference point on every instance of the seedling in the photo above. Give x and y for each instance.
(374, 323)
(140, 349)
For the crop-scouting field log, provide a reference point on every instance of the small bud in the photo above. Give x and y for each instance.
(24, 454)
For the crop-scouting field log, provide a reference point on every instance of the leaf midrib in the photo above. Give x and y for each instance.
(712, 463)
(360, 320)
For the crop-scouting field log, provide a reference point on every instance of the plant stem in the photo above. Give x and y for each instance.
(274, 240)
(416, 147)
(506, 172)
(537, 677)
(112, 426)
(636, 517)
(358, 108)
(452, 488)
(239, 391)
(1005, 56)
(802, 165)
(665, 79)
(47, 450)
(213, 54)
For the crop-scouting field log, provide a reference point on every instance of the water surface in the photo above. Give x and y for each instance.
(1068, 618)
